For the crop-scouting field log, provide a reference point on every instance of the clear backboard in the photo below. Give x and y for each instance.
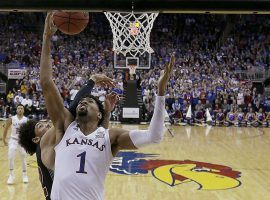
(141, 62)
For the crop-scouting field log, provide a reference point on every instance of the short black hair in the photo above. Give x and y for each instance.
(19, 105)
(26, 134)
(100, 107)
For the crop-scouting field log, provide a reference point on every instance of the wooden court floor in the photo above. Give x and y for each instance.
(197, 163)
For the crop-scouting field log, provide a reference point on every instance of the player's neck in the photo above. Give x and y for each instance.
(19, 116)
(87, 128)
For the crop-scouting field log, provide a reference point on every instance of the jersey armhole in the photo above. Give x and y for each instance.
(64, 136)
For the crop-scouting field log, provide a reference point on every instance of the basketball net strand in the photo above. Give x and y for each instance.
(131, 32)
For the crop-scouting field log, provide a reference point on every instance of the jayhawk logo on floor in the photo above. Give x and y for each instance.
(175, 172)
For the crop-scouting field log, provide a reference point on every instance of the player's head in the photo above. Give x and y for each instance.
(90, 107)
(20, 109)
(30, 134)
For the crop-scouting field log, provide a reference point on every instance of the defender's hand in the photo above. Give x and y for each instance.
(102, 80)
(110, 101)
(165, 76)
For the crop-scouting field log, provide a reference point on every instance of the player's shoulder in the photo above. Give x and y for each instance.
(114, 133)
(15, 118)
(117, 131)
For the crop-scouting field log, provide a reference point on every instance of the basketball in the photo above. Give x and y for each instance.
(71, 23)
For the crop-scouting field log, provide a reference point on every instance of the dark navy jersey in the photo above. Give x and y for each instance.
(45, 175)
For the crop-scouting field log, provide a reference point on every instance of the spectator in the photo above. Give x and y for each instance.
(10, 95)
(205, 68)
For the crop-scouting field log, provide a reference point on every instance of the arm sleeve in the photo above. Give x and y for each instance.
(155, 132)
(86, 89)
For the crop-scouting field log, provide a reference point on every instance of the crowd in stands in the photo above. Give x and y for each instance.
(204, 74)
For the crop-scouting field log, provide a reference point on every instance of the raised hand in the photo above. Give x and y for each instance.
(49, 28)
(102, 80)
(165, 76)
(110, 101)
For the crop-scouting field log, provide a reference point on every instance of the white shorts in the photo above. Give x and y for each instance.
(13, 144)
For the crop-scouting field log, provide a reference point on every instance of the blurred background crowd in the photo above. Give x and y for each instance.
(209, 49)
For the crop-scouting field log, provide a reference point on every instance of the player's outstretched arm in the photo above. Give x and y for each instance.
(60, 116)
(123, 139)
(53, 100)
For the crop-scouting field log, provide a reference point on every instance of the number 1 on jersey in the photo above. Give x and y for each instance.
(82, 163)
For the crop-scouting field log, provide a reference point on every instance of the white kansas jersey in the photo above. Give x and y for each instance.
(81, 164)
(16, 123)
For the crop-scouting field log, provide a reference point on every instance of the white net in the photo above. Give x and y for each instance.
(131, 32)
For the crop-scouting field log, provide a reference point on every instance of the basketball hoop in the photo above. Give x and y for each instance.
(131, 32)
(132, 69)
